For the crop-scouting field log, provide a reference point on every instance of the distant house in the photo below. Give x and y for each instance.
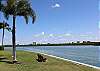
(34, 43)
(78, 41)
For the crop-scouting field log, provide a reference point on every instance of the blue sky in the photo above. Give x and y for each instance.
(58, 21)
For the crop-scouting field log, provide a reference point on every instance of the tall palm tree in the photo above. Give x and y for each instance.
(17, 8)
(3, 26)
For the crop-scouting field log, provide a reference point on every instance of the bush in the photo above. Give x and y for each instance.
(1, 47)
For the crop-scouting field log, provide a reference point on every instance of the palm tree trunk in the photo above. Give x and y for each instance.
(14, 40)
(2, 48)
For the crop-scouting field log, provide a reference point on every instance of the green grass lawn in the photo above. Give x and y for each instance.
(29, 63)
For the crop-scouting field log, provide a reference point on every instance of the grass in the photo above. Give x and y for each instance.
(29, 63)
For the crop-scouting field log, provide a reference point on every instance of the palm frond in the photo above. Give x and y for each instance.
(0, 5)
(1, 26)
(5, 25)
(9, 29)
(8, 8)
(20, 8)
(11, 6)
(26, 19)
(24, 9)
(33, 15)
(4, 10)
(6, 15)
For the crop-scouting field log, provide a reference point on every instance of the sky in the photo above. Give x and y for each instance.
(58, 21)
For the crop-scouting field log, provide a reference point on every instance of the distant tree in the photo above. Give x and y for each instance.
(16, 8)
(3, 26)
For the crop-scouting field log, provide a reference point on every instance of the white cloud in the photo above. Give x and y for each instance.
(51, 35)
(39, 34)
(55, 5)
(84, 35)
(68, 34)
(42, 33)
(36, 35)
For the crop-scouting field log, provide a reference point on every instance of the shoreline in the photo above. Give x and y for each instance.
(75, 62)
(52, 45)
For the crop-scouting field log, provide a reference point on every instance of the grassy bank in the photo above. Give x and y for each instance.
(28, 63)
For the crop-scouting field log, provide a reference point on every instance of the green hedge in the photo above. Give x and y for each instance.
(1, 48)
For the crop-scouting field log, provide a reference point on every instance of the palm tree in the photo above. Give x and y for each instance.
(3, 26)
(17, 8)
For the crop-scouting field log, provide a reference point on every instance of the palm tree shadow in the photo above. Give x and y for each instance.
(7, 61)
(3, 59)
